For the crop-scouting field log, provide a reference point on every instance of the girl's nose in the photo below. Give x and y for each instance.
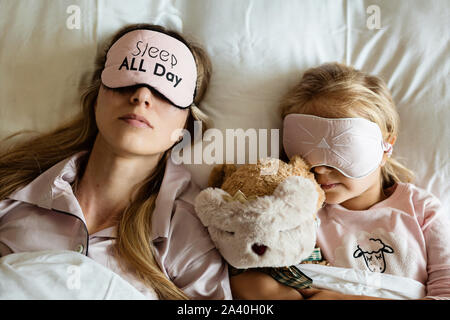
(322, 169)
(142, 96)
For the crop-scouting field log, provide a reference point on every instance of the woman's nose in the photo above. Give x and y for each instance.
(322, 169)
(142, 96)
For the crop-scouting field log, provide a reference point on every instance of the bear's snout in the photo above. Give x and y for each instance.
(259, 249)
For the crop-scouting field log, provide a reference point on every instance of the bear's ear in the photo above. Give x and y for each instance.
(298, 162)
(207, 205)
(219, 174)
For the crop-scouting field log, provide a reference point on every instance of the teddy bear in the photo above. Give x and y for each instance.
(263, 216)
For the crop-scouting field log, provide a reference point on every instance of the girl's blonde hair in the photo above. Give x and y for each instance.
(22, 162)
(334, 90)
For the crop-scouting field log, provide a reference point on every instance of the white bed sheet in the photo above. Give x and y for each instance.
(259, 48)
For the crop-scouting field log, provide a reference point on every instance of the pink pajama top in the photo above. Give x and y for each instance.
(45, 215)
(407, 234)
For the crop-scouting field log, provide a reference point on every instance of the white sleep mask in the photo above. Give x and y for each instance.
(354, 146)
(155, 59)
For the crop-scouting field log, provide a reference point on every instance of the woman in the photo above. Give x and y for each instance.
(104, 184)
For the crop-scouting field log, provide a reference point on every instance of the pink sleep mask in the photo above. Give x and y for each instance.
(155, 59)
(354, 146)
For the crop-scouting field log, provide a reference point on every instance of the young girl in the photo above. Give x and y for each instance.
(344, 123)
(104, 184)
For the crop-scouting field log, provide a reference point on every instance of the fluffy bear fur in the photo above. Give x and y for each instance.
(248, 207)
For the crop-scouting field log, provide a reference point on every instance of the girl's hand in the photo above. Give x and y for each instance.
(255, 285)
(320, 294)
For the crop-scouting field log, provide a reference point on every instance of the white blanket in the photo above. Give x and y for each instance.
(361, 282)
(66, 275)
(62, 275)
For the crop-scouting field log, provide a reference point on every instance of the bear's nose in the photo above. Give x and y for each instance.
(259, 249)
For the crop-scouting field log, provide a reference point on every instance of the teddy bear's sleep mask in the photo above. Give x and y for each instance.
(354, 146)
(154, 59)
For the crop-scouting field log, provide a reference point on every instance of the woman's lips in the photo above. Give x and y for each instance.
(136, 121)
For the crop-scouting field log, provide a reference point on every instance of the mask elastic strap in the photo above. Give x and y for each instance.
(388, 148)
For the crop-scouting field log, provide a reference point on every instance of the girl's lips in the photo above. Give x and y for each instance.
(329, 186)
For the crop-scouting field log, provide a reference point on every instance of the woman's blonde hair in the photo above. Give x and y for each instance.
(22, 162)
(334, 90)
